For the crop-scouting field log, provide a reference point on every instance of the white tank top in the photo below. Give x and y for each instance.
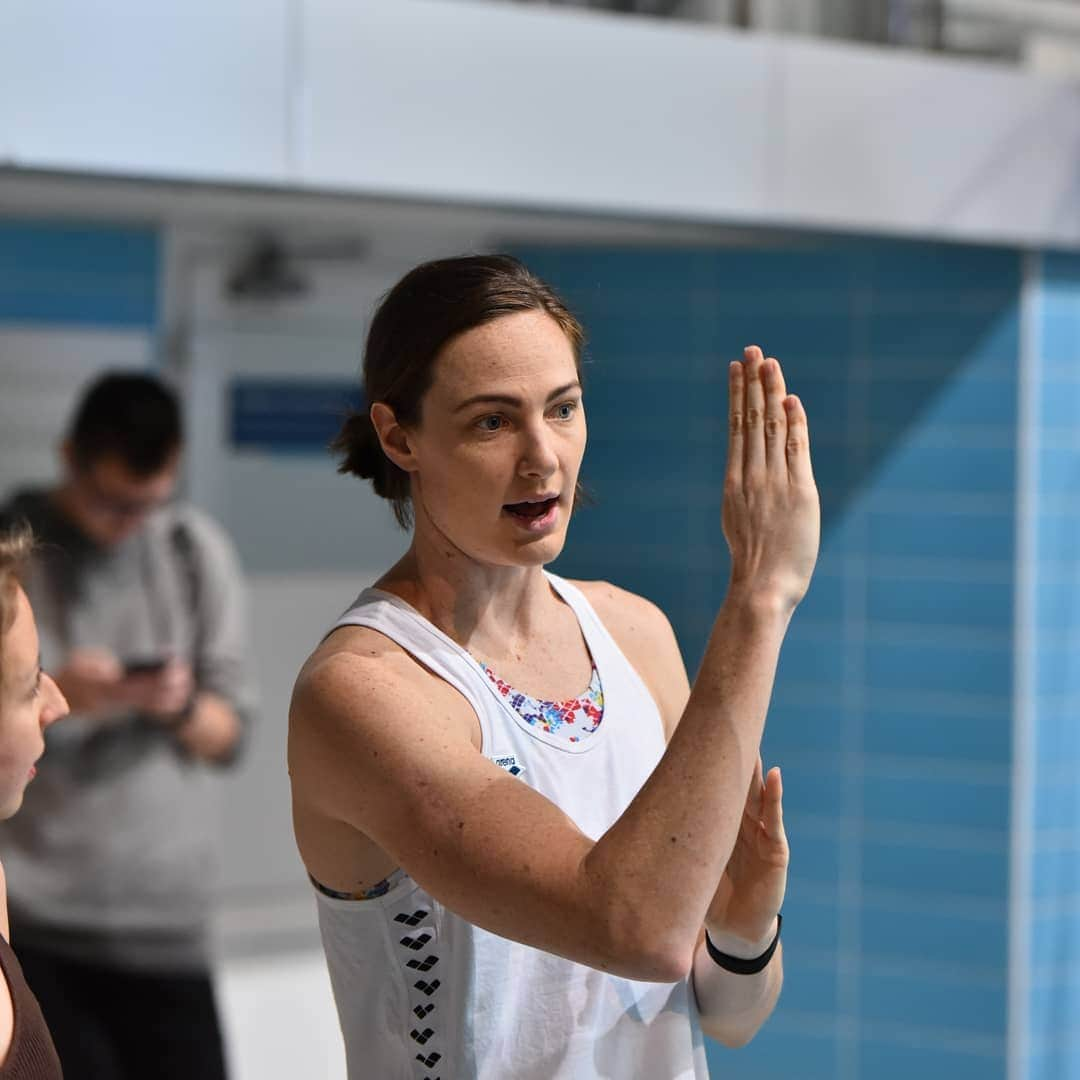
(424, 995)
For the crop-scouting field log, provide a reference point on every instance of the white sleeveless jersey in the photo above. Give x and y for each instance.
(424, 995)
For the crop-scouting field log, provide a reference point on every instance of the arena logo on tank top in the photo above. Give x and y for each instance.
(508, 762)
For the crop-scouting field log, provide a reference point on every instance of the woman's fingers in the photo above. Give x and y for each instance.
(756, 793)
(775, 418)
(797, 447)
(772, 815)
(736, 423)
(770, 510)
(758, 418)
(754, 416)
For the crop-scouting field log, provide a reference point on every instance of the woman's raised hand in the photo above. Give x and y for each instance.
(771, 516)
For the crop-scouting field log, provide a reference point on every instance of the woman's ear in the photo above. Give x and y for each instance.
(392, 437)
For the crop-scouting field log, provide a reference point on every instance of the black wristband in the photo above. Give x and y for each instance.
(736, 963)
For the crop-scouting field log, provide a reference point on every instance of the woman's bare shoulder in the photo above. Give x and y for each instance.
(355, 652)
(357, 672)
(626, 613)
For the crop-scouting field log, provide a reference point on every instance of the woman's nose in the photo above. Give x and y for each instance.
(56, 705)
(538, 457)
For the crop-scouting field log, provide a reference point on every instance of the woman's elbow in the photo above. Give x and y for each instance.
(654, 960)
(643, 941)
(673, 964)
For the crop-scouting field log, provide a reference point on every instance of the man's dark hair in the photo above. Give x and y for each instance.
(131, 416)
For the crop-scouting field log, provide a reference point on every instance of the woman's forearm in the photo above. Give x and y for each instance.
(733, 1007)
(656, 868)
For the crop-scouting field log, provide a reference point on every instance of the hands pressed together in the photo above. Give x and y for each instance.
(742, 917)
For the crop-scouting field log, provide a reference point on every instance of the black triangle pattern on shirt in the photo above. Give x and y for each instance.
(413, 943)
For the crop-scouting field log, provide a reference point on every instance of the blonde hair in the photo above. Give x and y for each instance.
(15, 547)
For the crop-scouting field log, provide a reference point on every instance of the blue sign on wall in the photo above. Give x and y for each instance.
(289, 415)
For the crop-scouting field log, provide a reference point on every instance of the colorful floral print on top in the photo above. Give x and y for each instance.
(380, 888)
(572, 720)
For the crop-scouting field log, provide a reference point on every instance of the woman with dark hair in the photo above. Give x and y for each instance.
(537, 851)
(29, 702)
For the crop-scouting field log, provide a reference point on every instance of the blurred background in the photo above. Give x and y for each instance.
(885, 195)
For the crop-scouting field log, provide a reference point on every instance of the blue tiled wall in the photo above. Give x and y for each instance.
(1054, 997)
(55, 274)
(893, 706)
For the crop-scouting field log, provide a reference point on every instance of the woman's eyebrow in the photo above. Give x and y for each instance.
(511, 400)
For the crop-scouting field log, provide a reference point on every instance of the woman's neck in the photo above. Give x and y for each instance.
(484, 608)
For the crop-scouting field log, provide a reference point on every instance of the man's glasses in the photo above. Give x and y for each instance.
(116, 506)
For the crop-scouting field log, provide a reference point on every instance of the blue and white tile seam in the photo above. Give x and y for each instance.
(1018, 1027)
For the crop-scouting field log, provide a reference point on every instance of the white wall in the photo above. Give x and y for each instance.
(472, 101)
(279, 1018)
(309, 540)
(45, 370)
(195, 89)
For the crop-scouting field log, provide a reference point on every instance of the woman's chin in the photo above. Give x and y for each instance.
(10, 805)
(536, 551)
(542, 550)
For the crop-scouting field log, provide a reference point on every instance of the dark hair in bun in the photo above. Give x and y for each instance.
(422, 313)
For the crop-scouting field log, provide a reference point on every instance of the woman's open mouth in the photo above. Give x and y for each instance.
(536, 516)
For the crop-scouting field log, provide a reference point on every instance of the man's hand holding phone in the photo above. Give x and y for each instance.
(90, 680)
(96, 683)
(158, 687)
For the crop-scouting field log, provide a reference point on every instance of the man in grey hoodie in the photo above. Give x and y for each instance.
(112, 862)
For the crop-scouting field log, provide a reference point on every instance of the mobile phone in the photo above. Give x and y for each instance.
(145, 665)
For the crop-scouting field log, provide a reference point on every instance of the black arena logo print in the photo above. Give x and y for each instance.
(423, 1008)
